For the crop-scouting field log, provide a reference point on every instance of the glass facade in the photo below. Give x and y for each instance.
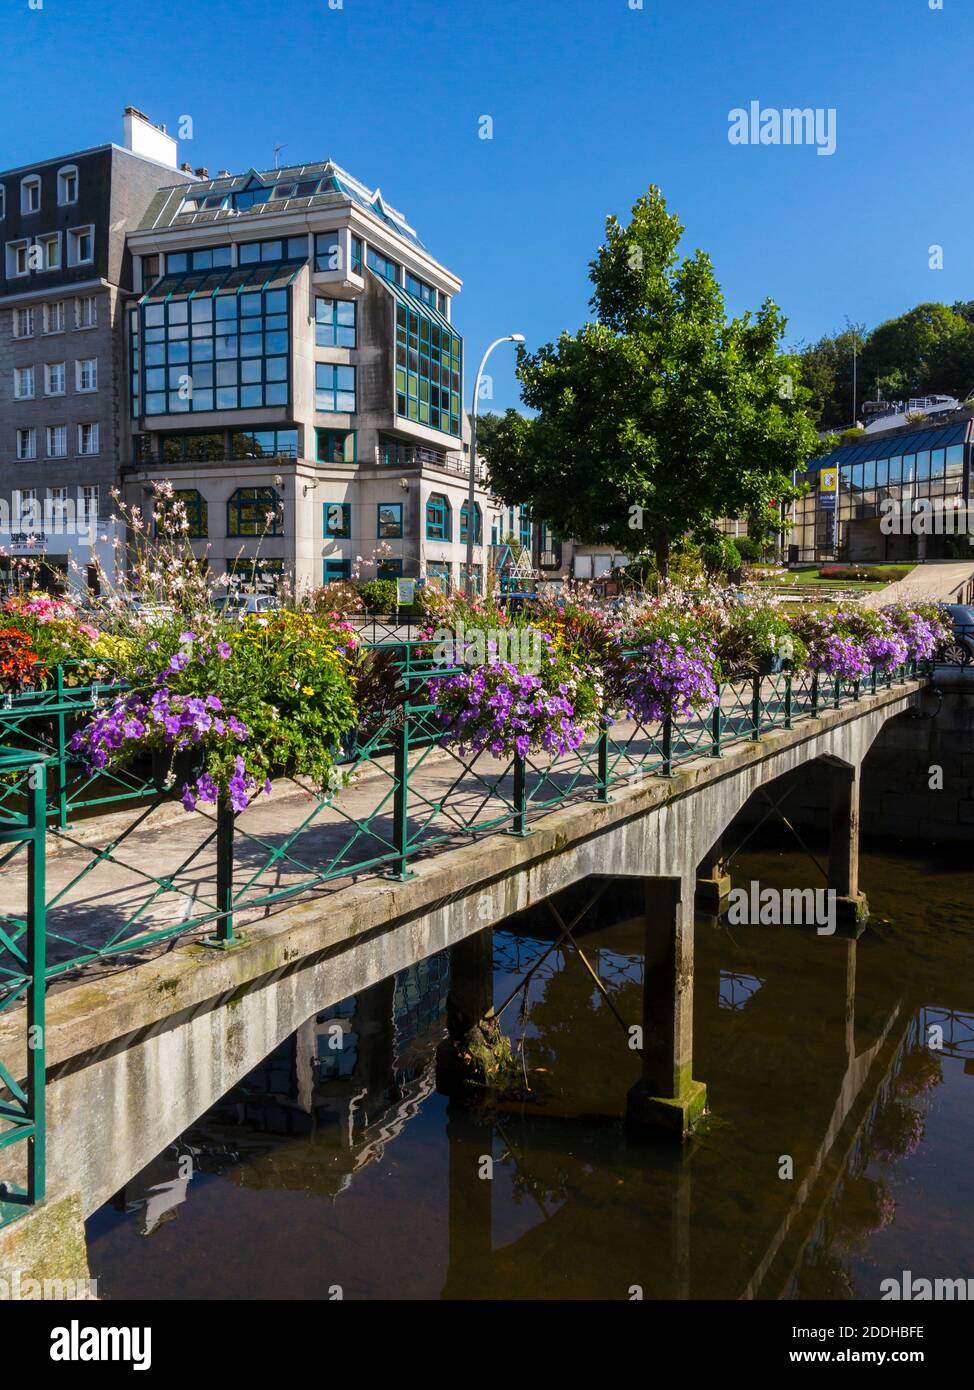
(228, 350)
(438, 576)
(334, 388)
(382, 265)
(195, 511)
(428, 365)
(923, 466)
(335, 323)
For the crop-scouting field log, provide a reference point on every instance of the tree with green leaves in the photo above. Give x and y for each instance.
(662, 415)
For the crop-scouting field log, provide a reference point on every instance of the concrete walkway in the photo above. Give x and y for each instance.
(935, 581)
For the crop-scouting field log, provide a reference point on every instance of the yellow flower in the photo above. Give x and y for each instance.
(307, 690)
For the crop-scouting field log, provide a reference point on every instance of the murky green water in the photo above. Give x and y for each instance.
(341, 1167)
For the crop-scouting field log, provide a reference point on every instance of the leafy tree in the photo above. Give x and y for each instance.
(911, 351)
(662, 415)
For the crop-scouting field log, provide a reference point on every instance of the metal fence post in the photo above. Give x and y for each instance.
(814, 701)
(717, 725)
(755, 708)
(519, 823)
(788, 700)
(36, 1022)
(668, 746)
(602, 749)
(400, 802)
(224, 872)
(62, 752)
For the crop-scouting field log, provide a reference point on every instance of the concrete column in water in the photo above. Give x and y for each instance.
(666, 1098)
(475, 1050)
(713, 880)
(851, 906)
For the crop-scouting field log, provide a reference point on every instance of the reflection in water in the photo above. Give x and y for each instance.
(836, 1153)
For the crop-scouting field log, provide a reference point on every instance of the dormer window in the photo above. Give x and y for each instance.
(284, 190)
(30, 194)
(67, 185)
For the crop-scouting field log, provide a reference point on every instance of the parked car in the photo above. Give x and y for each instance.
(959, 650)
(241, 606)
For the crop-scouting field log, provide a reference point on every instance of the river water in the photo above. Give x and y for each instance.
(836, 1154)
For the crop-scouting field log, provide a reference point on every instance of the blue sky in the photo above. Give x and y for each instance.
(591, 101)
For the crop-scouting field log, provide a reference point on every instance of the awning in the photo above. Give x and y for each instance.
(190, 284)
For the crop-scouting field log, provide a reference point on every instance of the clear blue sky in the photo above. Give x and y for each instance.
(591, 102)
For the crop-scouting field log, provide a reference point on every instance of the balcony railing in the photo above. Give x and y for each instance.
(414, 456)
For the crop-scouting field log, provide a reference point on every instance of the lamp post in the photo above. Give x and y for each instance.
(471, 504)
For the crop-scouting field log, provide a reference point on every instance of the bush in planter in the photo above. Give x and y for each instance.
(18, 662)
(236, 702)
(378, 595)
(670, 662)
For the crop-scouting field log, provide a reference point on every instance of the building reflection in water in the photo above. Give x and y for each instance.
(811, 1048)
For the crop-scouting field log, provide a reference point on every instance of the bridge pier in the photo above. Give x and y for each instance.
(666, 1098)
(851, 907)
(713, 880)
(475, 1051)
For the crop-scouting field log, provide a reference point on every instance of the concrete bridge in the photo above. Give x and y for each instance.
(135, 1055)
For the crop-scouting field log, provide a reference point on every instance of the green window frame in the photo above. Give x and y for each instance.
(335, 446)
(390, 568)
(247, 511)
(335, 388)
(388, 525)
(383, 265)
(478, 536)
(438, 517)
(207, 352)
(335, 323)
(337, 520)
(429, 359)
(438, 576)
(335, 571)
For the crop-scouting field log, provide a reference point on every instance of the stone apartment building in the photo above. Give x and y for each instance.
(293, 356)
(64, 278)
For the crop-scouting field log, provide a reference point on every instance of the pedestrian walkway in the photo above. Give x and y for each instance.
(936, 581)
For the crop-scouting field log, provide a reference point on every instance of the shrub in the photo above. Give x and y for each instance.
(378, 595)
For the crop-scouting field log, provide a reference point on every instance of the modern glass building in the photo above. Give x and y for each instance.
(900, 495)
(292, 351)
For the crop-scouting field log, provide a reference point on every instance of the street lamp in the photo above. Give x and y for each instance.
(471, 504)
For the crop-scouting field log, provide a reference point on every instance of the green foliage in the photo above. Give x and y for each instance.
(662, 415)
(721, 558)
(750, 550)
(378, 595)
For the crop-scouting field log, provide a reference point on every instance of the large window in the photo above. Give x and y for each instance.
(203, 259)
(335, 446)
(437, 518)
(428, 363)
(335, 323)
(254, 511)
(338, 520)
(390, 521)
(334, 387)
(478, 530)
(194, 448)
(382, 265)
(228, 352)
(420, 289)
(193, 508)
(292, 248)
(264, 444)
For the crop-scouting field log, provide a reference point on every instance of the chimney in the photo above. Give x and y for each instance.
(186, 168)
(202, 172)
(143, 138)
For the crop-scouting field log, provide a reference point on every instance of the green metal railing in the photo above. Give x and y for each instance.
(23, 978)
(209, 872)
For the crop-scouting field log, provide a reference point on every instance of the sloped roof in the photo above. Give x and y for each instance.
(909, 442)
(334, 187)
